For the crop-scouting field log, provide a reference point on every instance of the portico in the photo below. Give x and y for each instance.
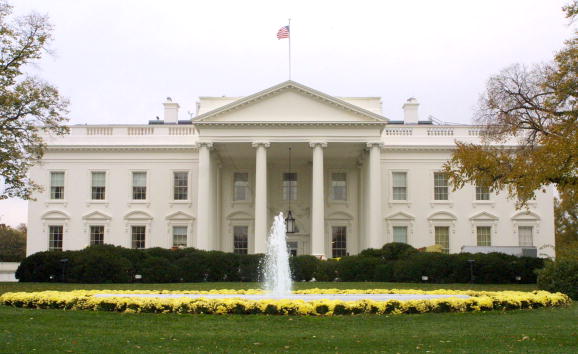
(325, 134)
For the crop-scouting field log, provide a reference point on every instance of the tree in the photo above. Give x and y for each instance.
(28, 105)
(12, 243)
(566, 221)
(536, 109)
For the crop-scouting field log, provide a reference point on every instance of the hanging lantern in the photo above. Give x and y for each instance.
(290, 222)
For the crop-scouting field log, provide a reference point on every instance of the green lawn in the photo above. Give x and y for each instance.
(542, 330)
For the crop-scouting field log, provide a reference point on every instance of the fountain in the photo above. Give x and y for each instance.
(275, 268)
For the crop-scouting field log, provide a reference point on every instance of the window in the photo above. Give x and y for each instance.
(241, 186)
(56, 185)
(442, 238)
(440, 186)
(338, 241)
(98, 189)
(400, 234)
(399, 182)
(484, 235)
(55, 233)
(292, 247)
(138, 236)
(339, 186)
(96, 235)
(290, 186)
(181, 185)
(241, 239)
(482, 193)
(139, 185)
(179, 236)
(525, 234)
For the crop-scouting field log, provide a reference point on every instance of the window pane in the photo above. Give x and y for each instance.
(98, 185)
(440, 186)
(56, 185)
(525, 236)
(179, 236)
(181, 185)
(138, 236)
(55, 234)
(399, 191)
(96, 235)
(241, 186)
(482, 193)
(139, 182)
(339, 186)
(484, 235)
(241, 239)
(400, 234)
(338, 241)
(290, 186)
(442, 237)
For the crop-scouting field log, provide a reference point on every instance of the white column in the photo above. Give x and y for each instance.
(204, 201)
(374, 230)
(261, 196)
(317, 202)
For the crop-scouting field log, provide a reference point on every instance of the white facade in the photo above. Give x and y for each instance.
(358, 181)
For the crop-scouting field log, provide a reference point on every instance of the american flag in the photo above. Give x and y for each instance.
(283, 32)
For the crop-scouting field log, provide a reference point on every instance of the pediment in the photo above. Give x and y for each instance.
(96, 215)
(179, 215)
(138, 215)
(484, 215)
(400, 216)
(525, 215)
(55, 215)
(442, 215)
(289, 102)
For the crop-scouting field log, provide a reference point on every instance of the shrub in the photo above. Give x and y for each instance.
(40, 267)
(222, 266)
(560, 276)
(384, 272)
(100, 264)
(249, 267)
(159, 270)
(357, 268)
(397, 250)
(303, 267)
(193, 266)
(327, 270)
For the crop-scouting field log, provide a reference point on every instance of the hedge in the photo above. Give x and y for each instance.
(395, 262)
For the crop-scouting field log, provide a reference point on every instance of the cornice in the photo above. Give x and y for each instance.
(418, 147)
(289, 124)
(106, 148)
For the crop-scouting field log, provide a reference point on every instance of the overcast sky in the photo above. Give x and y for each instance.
(117, 60)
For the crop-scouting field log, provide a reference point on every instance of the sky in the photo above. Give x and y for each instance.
(117, 61)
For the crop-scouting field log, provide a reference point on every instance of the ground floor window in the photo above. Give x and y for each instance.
(442, 238)
(484, 235)
(240, 239)
(525, 234)
(292, 248)
(55, 233)
(338, 241)
(96, 235)
(138, 236)
(400, 234)
(179, 236)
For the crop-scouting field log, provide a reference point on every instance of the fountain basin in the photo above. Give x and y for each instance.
(304, 297)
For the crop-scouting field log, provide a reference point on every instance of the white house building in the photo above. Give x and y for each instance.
(356, 180)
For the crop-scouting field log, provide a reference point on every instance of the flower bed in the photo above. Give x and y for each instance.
(478, 301)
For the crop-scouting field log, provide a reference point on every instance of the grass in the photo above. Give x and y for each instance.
(543, 330)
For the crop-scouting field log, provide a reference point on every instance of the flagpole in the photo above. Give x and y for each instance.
(289, 26)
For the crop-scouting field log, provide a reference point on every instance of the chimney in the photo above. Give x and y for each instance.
(410, 115)
(171, 111)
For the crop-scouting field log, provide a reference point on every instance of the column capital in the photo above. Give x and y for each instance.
(207, 144)
(371, 144)
(313, 144)
(265, 144)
